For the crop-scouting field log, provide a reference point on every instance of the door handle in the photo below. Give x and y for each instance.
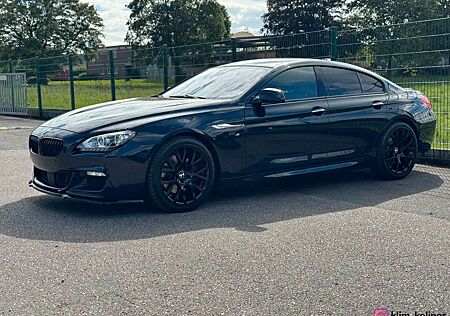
(378, 104)
(228, 126)
(318, 111)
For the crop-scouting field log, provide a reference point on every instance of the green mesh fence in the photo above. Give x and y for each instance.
(414, 55)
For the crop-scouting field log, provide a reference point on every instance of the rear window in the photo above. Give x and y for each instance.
(370, 84)
(342, 81)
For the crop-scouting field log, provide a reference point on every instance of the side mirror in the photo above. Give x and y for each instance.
(270, 95)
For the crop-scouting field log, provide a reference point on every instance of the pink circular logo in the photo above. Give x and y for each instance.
(381, 311)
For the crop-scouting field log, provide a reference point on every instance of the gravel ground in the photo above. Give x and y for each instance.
(340, 244)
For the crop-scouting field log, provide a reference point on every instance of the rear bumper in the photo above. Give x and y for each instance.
(424, 147)
(427, 131)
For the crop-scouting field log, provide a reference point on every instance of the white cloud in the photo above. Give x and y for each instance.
(115, 16)
(244, 14)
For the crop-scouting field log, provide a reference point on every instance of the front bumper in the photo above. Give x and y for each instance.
(67, 173)
(38, 186)
(123, 179)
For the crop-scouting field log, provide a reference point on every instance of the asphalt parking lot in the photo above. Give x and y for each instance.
(341, 244)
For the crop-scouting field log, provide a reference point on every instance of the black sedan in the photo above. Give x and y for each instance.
(254, 119)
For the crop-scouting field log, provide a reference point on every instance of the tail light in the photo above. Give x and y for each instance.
(426, 101)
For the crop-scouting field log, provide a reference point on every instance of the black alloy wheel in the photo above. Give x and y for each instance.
(181, 175)
(184, 175)
(400, 150)
(397, 153)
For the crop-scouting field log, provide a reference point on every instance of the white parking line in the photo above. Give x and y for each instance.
(14, 127)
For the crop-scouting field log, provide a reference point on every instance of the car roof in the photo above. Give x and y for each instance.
(270, 62)
(275, 63)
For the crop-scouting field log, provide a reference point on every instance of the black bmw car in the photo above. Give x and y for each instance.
(254, 119)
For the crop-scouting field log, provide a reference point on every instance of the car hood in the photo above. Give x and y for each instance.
(111, 113)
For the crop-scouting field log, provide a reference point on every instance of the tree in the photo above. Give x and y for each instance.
(297, 16)
(176, 22)
(48, 28)
(445, 7)
(406, 48)
(365, 13)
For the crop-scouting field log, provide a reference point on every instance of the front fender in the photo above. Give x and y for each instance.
(223, 131)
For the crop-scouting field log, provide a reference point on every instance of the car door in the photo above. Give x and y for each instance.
(357, 112)
(289, 135)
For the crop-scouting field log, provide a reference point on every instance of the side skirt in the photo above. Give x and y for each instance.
(312, 170)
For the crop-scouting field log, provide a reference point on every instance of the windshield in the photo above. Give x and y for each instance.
(219, 83)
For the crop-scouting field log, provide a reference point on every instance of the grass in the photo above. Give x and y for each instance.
(437, 89)
(56, 95)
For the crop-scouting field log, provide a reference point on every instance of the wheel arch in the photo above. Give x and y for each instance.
(400, 119)
(378, 167)
(197, 135)
(409, 121)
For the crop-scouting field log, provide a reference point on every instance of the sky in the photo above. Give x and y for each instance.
(245, 14)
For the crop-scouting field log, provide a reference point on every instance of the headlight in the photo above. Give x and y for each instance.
(106, 142)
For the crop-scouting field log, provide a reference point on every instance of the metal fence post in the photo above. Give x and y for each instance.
(165, 67)
(333, 43)
(233, 50)
(72, 83)
(11, 71)
(38, 87)
(112, 70)
(10, 66)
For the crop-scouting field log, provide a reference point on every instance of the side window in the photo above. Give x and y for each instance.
(297, 83)
(370, 84)
(342, 81)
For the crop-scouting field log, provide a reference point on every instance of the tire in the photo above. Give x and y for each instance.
(180, 176)
(397, 152)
